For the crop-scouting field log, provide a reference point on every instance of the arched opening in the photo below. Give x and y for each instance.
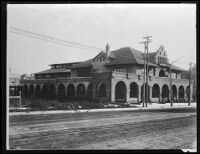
(174, 93)
(70, 90)
(162, 73)
(133, 90)
(155, 91)
(44, 91)
(181, 94)
(89, 91)
(31, 90)
(165, 93)
(101, 90)
(25, 90)
(38, 91)
(120, 92)
(61, 90)
(145, 92)
(188, 92)
(80, 90)
(52, 91)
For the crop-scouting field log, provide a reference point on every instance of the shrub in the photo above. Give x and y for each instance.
(39, 104)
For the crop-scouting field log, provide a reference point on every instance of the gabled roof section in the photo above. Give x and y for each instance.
(51, 71)
(87, 63)
(102, 52)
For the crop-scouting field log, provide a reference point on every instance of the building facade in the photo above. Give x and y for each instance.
(112, 76)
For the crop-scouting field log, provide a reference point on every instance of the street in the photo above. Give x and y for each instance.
(162, 129)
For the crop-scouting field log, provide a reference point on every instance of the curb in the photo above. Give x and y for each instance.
(102, 110)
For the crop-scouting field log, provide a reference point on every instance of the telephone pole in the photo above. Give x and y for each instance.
(170, 71)
(144, 76)
(146, 60)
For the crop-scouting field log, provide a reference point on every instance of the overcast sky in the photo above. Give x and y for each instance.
(121, 25)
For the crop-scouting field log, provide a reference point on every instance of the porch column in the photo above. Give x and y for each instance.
(150, 93)
(128, 95)
(139, 94)
(56, 90)
(191, 92)
(178, 94)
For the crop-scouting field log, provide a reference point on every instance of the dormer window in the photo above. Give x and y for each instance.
(102, 58)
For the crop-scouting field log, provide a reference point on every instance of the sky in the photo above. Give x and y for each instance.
(120, 25)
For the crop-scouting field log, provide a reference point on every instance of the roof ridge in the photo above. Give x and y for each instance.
(133, 53)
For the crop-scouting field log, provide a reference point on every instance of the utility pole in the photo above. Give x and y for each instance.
(170, 71)
(147, 67)
(144, 76)
(189, 101)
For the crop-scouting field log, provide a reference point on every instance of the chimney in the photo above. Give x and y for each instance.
(107, 49)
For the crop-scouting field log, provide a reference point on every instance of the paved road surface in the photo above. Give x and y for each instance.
(163, 129)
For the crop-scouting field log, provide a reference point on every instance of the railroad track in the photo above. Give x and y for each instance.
(140, 128)
(83, 117)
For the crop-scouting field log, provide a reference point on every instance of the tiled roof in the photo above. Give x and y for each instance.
(173, 67)
(152, 54)
(65, 63)
(56, 70)
(121, 56)
(128, 55)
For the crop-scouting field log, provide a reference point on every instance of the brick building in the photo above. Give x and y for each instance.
(111, 76)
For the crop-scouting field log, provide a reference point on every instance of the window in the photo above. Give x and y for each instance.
(47, 76)
(102, 58)
(83, 73)
(120, 69)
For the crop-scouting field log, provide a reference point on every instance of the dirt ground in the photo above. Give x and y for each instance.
(105, 130)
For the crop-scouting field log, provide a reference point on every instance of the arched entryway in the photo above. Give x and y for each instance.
(44, 91)
(133, 90)
(61, 90)
(120, 91)
(38, 90)
(70, 90)
(31, 90)
(188, 92)
(181, 94)
(165, 93)
(174, 93)
(89, 91)
(52, 90)
(25, 90)
(142, 89)
(155, 91)
(101, 90)
(80, 90)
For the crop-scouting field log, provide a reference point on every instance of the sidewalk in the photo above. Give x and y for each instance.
(153, 106)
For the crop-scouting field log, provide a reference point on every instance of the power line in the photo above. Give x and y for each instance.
(52, 41)
(47, 40)
(53, 38)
